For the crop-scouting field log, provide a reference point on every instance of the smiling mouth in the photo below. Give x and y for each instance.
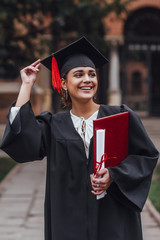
(86, 88)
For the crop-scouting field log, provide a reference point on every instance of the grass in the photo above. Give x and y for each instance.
(157, 170)
(154, 194)
(6, 164)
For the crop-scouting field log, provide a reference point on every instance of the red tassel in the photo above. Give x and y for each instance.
(56, 79)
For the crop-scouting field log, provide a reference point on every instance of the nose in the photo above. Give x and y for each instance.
(87, 78)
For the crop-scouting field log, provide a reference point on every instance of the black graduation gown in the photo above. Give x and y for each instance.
(71, 210)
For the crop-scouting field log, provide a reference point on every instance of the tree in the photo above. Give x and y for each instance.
(20, 27)
(23, 23)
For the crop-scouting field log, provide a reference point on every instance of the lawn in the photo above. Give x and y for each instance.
(154, 194)
(6, 164)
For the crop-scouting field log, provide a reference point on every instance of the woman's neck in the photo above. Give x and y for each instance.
(84, 110)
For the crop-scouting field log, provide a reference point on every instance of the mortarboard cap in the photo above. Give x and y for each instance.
(76, 54)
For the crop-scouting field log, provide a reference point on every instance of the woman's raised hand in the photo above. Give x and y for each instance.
(29, 73)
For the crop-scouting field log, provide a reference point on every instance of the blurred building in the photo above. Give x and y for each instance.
(134, 70)
(133, 74)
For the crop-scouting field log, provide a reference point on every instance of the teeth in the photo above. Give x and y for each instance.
(86, 88)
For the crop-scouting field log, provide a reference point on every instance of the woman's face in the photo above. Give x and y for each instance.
(81, 83)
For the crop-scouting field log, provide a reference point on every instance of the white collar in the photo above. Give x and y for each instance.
(91, 118)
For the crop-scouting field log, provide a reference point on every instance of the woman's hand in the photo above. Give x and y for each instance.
(101, 181)
(29, 73)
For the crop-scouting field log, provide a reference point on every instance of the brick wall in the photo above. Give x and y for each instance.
(115, 26)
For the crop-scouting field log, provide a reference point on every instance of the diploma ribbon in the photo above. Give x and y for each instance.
(103, 159)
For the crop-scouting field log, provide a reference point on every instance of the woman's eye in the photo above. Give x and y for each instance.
(92, 75)
(78, 75)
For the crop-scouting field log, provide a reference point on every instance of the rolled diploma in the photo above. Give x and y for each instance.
(100, 150)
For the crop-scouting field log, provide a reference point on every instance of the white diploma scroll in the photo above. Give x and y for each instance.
(100, 150)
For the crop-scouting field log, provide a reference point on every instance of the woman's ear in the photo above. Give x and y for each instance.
(64, 85)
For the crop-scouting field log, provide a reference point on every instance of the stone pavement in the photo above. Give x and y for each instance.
(22, 203)
(151, 229)
(22, 198)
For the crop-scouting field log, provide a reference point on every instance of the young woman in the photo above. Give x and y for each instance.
(72, 211)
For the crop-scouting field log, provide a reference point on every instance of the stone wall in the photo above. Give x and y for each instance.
(8, 95)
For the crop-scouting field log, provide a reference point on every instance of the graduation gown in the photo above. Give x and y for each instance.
(71, 210)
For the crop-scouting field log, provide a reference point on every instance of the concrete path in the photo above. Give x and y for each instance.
(22, 203)
(151, 229)
(22, 199)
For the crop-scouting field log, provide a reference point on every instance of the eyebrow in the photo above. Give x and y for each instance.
(83, 71)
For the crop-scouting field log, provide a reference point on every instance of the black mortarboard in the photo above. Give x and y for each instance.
(78, 53)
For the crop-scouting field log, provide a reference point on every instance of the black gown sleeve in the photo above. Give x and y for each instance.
(132, 178)
(27, 138)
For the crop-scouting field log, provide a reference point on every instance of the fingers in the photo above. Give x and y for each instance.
(101, 181)
(34, 67)
(29, 73)
(97, 186)
(36, 63)
(101, 172)
(30, 69)
(96, 190)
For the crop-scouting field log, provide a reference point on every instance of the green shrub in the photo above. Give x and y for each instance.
(157, 170)
(154, 194)
(6, 164)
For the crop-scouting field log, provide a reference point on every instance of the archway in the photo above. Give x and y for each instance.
(141, 53)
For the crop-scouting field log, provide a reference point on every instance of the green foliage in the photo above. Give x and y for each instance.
(118, 6)
(154, 194)
(22, 23)
(6, 164)
(157, 170)
(81, 19)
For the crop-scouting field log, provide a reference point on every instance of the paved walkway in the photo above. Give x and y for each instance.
(22, 199)
(22, 203)
(151, 229)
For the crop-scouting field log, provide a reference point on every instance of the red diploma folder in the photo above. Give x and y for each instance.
(116, 139)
